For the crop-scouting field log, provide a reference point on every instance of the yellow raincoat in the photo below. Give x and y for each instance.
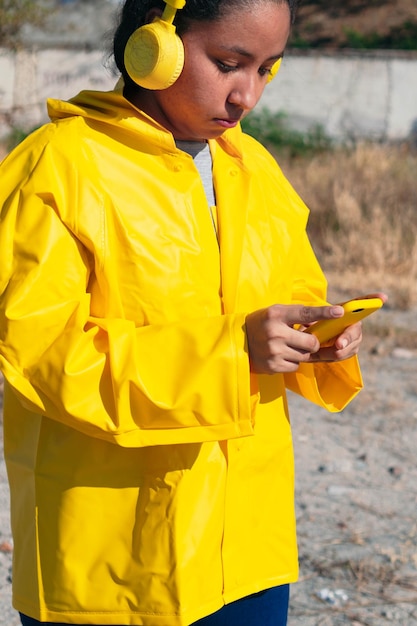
(151, 474)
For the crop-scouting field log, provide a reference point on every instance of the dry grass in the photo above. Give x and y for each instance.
(363, 221)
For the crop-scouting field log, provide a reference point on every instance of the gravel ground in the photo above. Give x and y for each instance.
(356, 496)
(357, 502)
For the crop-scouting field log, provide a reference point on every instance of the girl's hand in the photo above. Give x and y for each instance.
(343, 347)
(275, 346)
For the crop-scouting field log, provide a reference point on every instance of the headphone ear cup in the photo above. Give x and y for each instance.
(274, 70)
(154, 55)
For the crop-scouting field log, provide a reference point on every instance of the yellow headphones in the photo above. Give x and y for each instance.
(154, 54)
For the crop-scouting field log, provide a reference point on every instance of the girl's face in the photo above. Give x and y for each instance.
(226, 68)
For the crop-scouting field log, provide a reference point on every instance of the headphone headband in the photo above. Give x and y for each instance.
(171, 7)
(176, 4)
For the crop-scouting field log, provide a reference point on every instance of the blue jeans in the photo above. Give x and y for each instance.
(267, 608)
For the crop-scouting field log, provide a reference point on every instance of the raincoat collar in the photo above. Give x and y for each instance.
(112, 108)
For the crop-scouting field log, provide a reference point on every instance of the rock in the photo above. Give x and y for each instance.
(404, 353)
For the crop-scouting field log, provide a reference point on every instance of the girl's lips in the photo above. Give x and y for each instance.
(226, 123)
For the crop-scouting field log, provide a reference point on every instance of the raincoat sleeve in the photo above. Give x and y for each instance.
(330, 385)
(186, 381)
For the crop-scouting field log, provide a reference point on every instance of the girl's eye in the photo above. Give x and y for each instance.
(264, 71)
(225, 68)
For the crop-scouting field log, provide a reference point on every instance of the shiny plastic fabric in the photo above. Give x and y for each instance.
(151, 474)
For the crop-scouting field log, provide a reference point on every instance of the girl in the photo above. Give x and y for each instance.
(145, 244)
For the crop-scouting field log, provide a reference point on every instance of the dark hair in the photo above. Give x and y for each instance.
(134, 12)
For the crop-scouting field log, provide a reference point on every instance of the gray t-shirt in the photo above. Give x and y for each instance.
(201, 154)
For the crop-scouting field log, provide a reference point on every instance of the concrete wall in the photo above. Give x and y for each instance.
(350, 95)
(29, 77)
(370, 95)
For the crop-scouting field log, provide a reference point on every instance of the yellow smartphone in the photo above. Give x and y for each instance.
(355, 310)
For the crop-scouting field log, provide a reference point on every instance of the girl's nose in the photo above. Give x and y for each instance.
(246, 92)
